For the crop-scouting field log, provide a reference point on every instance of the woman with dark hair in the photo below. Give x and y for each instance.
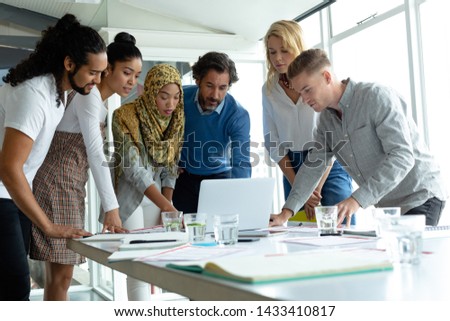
(59, 185)
(68, 56)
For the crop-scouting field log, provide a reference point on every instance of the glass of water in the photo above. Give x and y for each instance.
(402, 236)
(382, 215)
(172, 221)
(195, 224)
(326, 217)
(226, 228)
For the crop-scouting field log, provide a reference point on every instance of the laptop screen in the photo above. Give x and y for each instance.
(251, 198)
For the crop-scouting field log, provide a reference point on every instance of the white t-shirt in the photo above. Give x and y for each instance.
(291, 125)
(84, 115)
(31, 108)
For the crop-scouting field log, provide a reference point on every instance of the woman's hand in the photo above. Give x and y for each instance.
(112, 222)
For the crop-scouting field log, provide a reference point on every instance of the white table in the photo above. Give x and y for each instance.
(426, 281)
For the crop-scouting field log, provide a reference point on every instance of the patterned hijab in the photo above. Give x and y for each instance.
(162, 136)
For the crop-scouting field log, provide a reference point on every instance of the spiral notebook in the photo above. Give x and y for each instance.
(436, 231)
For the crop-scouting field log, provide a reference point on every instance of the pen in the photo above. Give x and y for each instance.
(330, 234)
(104, 233)
(150, 241)
(249, 239)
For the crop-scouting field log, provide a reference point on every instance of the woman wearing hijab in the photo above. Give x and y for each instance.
(148, 136)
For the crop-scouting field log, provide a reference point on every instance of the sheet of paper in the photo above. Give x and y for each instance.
(304, 228)
(103, 237)
(134, 234)
(179, 236)
(118, 256)
(151, 229)
(150, 246)
(192, 253)
(329, 240)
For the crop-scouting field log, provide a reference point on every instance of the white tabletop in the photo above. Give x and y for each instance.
(426, 281)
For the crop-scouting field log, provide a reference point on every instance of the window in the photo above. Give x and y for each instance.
(311, 30)
(247, 92)
(373, 52)
(436, 50)
(367, 56)
(346, 14)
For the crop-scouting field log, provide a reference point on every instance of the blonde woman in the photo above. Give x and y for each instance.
(289, 124)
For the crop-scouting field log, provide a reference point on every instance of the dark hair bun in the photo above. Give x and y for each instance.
(67, 22)
(125, 37)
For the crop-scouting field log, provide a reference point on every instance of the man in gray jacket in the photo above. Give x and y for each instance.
(367, 128)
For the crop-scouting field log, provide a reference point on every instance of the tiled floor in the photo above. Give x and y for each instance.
(91, 295)
(88, 295)
(81, 291)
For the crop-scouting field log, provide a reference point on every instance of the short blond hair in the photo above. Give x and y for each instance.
(308, 61)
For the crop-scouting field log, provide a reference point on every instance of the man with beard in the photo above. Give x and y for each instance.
(217, 130)
(32, 102)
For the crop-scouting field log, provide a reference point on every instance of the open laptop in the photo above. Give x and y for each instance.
(251, 198)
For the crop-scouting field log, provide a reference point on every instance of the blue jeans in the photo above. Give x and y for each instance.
(15, 233)
(337, 187)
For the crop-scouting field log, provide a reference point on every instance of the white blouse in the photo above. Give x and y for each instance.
(84, 115)
(291, 125)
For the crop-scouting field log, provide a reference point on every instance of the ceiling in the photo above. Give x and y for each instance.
(22, 20)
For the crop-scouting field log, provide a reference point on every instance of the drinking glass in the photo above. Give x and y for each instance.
(226, 229)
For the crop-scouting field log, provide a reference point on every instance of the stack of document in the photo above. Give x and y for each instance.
(329, 240)
(139, 245)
